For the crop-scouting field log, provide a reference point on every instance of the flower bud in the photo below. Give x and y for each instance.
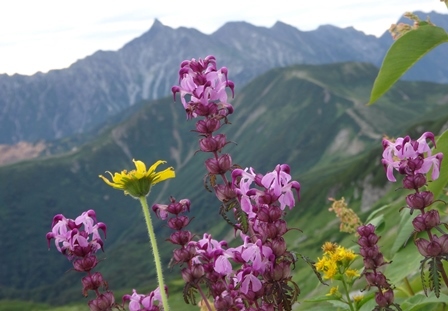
(103, 302)
(371, 251)
(197, 271)
(419, 200)
(426, 221)
(428, 248)
(278, 246)
(376, 279)
(92, 282)
(207, 126)
(225, 193)
(184, 254)
(178, 223)
(206, 109)
(414, 181)
(181, 237)
(280, 271)
(366, 230)
(220, 165)
(384, 299)
(224, 303)
(85, 264)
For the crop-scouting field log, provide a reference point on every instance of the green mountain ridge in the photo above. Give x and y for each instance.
(312, 117)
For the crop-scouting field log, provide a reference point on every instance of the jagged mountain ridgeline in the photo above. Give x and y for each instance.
(312, 117)
(62, 103)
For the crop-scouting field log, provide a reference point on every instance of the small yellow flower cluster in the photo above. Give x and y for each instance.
(336, 262)
(349, 220)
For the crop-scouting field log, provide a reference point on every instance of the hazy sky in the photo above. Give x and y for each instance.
(39, 35)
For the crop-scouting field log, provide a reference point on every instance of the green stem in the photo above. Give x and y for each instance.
(408, 287)
(347, 294)
(155, 250)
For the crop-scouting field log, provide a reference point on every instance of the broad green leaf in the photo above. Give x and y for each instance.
(375, 212)
(405, 262)
(405, 230)
(403, 54)
(436, 187)
(421, 302)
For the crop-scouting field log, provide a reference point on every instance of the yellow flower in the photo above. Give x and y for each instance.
(329, 247)
(334, 291)
(335, 261)
(327, 266)
(138, 182)
(358, 298)
(351, 273)
(343, 255)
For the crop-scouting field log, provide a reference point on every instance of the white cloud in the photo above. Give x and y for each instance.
(50, 34)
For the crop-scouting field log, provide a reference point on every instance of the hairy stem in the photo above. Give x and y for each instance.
(155, 251)
(204, 298)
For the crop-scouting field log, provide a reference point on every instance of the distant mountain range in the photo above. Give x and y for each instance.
(61, 103)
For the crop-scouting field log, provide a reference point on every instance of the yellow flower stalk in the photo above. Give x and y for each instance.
(349, 220)
(138, 182)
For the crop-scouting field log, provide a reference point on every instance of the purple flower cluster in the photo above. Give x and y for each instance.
(411, 158)
(79, 240)
(205, 85)
(414, 159)
(255, 275)
(373, 259)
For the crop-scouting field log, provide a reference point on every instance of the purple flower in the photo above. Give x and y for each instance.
(279, 181)
(242, 180)
(139, 302)
(79, 237)
(248, 281)
(411, 156)
(256, 254)
(277, 187)
(204, 83)
(210, 247)
(222, 264)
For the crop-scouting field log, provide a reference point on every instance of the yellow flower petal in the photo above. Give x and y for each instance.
(163, 175)
(138, 182)
(154, 166)
(114, 185)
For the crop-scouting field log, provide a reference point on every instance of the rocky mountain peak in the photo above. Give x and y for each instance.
(64, 102)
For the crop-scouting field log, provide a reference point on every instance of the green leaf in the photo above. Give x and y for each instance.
(421, 302)
(405, 230)
(405, 262)
(320, 298)
(377, 211)
(436, 186)
(403, 54)
(434, 276)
